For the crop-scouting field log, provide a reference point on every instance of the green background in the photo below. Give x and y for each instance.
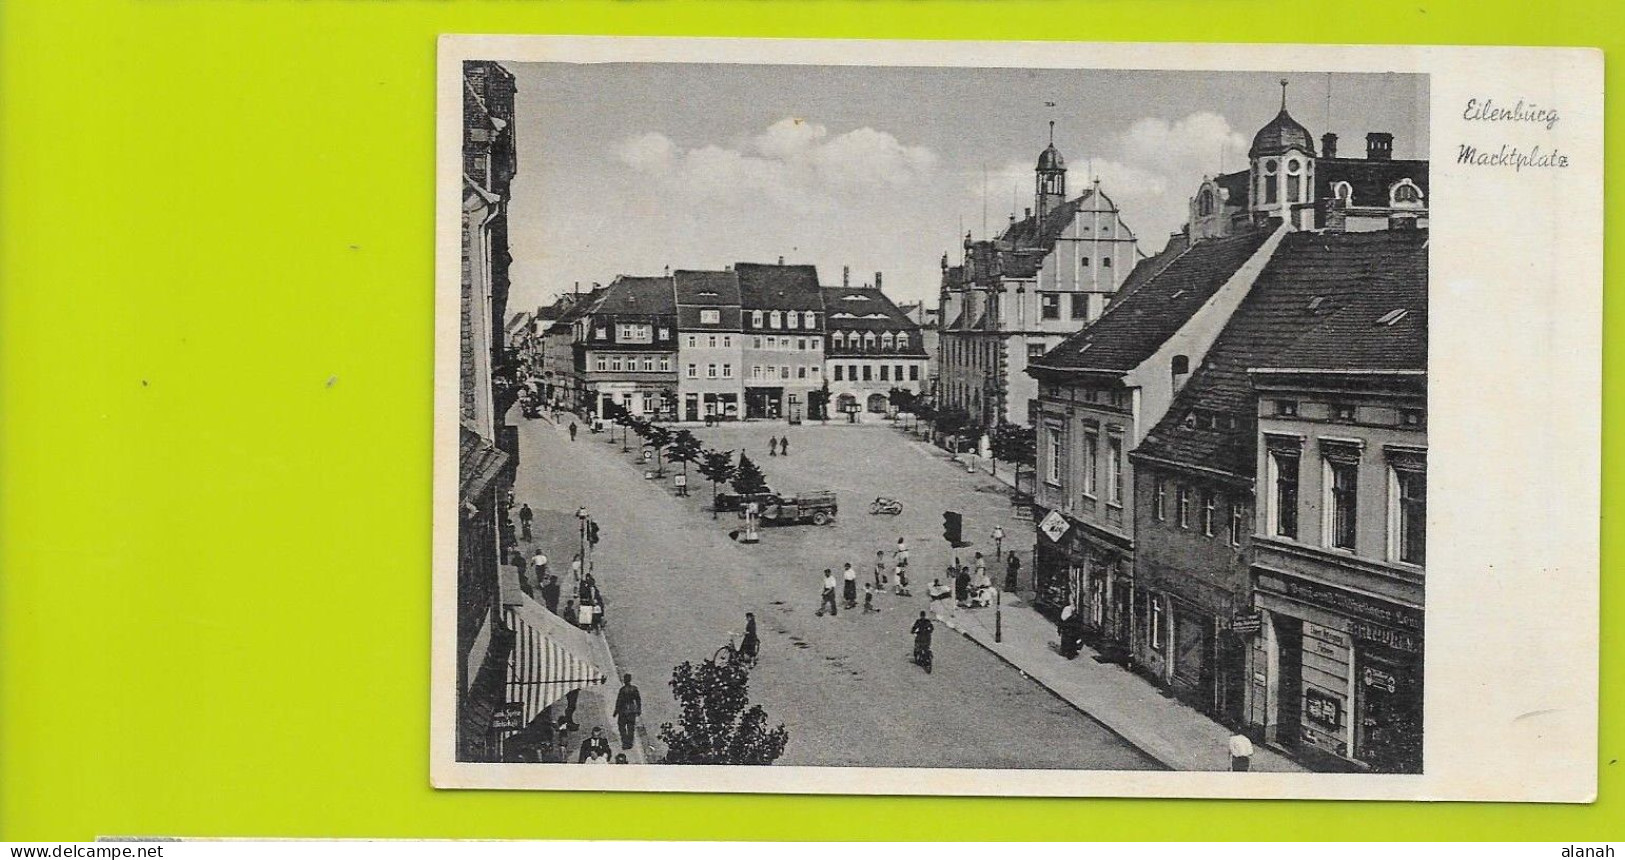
(216, 312)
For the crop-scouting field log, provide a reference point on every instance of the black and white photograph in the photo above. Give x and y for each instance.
(935, 420)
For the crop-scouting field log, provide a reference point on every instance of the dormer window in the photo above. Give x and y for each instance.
(1405, 193)
(793, 319)
(775, 319)
(755, 319)
(1343, 192)
(710, 316)
(810, 319)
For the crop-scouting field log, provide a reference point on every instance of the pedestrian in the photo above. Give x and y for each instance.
(751, 646)
(595, 748)
(880, 568)
(1012, 572)
(900, 555)
(902, 581)
(784, 447)
(980, 564)
(1066, 628)
(575, 567)
(538, 564)
(869, 598)
(827, 599)
(525, 516)
(961, 583)
(849, 587)
(550, 594)
(567, 722)
(572, 431)
(628, 707)
(772, 446)
(1241, 752)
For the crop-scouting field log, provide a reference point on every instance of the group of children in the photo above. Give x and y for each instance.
(897, 577)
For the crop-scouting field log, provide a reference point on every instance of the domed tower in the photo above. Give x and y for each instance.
(1051, 177)
(1282, 167)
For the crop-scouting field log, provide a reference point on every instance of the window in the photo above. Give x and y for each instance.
(1091, 463)
(1342, 494)
(648, 364)
(1035, 350)
(784, 371)
(665, 364)
(711, 342)
(1084, 262)
(710, 316)
(1114, 470)
(1410, 515)
(1284, 510)
(897, 372)
(837, 373)
(867, 372)
(693, 371)
(801, 343)
(1204, 203)
(727, 341)
(801, 371)
(1159, 500)
(1405, 193)
(727, 371)
(1183, 494)
(1105, 262)
(601, 364)
(1410, 417)
(1238, 523)
(634, 333)
(1080, 306)
(852, 373)
(1342, 412)
(1153, 629)
(885, 373)
(756, 371)
(775, 319)
(601, 334)
(811, 319)
(792, 320)
(1052, 463)
(1342, 192)
(755, 319)
(1051, 306)
(886, 341)
(691, 341)
(869, 340)
(1286, 408)
(914, 373)
(615, 363)
(1210, 506)
(710, 371)
(817, 343)
(756, 343)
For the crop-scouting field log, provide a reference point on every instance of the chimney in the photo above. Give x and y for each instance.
(781, 259)
(1328, 145)
(668, 271)
(1029, 211)
(1379, 146)
(877, 280)
(728, 268)
(846, 275)
(578, 288)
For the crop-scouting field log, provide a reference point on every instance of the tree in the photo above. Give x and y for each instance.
(717, 724)
(902, 400)
(818, 403)
(749, 478)
(685, 448)
(657, 437)
(718, 468)
(925, 412)
(1016, 445)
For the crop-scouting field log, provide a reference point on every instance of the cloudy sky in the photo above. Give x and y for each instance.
(628, 168)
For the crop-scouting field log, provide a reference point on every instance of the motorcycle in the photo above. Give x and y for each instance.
(884, 505)
(922, 656)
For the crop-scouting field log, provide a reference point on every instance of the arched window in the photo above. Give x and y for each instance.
(1405, 193)
(886, 341)
(1294, 181)
(1343, 192)
(1271, 181)
(1204, 203)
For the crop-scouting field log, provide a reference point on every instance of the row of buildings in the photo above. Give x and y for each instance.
(751, 341)
(1232, 453)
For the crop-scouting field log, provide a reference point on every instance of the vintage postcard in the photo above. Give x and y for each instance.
(1017, 418)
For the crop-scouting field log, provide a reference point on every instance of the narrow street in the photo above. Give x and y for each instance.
(678, 586)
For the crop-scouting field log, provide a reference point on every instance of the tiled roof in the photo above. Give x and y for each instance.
(637, 296)
(1035, 232)
(1382, 329)
(1131, 330)
(706, 288)
(863, 308)
(1368, 178)
(764, 286)
(1151, 266)
(1310, 302)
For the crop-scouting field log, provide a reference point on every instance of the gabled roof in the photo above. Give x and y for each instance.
(763, 286)
(1152, 266)
(706, 288)
(1310, 303)
(1131, 330)
(1041, 232)
(637, 296)
(863, 308)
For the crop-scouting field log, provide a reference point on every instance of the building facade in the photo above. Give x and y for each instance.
(872, 349)
(782, 355)
(710, 346)
(1014, 297)
(625, 348)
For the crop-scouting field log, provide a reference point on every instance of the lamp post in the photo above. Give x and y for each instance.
(998, 615)
(581, 523)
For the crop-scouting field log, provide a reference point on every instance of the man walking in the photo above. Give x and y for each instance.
(827, 600)
(1012, 573)
(784, 447)
(525, 516)
(880, 569)
(772, 446)
(849, 587)
(572, 431)
(901, 554)
(628, 707)
(550, 594)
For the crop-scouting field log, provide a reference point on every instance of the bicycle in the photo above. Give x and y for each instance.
(731, 655)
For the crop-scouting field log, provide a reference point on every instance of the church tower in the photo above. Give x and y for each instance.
(1051, 178)
(1281, 168)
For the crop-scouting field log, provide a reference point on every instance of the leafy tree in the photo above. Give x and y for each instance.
(685, 448)
(902, 400)
(717, 722)
(1013, 444)
(718, 468)
(657, 437)
(749, 478)
(925, 411)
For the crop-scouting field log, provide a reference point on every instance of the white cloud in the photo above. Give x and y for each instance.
(793, 163)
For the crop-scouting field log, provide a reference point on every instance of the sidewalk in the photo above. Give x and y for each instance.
(1161, 726)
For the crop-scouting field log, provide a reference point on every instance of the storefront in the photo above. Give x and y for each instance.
(1187, 639)
(710, 405)
(1339, 673)
(1089, 570)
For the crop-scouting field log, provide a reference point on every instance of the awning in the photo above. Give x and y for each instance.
(550, 657)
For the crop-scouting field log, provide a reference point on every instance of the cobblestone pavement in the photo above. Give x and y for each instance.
(677, 586)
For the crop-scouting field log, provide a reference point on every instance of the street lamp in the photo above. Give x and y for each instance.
(581, 522)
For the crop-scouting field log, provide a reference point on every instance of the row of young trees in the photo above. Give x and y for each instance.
(682, 446)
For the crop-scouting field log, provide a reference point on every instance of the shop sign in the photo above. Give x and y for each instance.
(1398, 640)
(509, 716)
(1054, 526)
(1247, 623)
(1353, 604)
(1379, 679)
(1323, 709)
